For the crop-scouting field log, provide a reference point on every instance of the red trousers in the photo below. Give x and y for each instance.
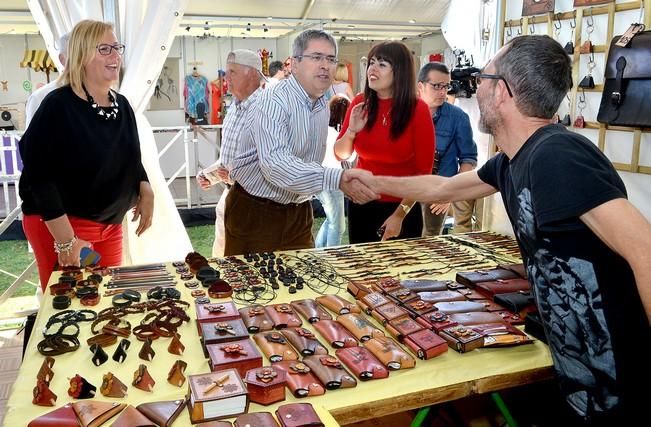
(106, 239)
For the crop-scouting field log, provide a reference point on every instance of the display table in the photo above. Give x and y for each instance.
(447, 377)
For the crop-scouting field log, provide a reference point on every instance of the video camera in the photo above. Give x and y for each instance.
(462, 81)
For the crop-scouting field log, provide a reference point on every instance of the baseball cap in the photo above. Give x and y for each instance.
(247, 58)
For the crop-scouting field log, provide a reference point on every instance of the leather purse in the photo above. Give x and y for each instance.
(61, 417)
(471, 278)
(283, 316)
(441, 296)
(459, 306)
(357, 325)
(476, 318)
(298, 415)
(93, 413)
(337, 304)
(256, 419)
(425, 285)
(362, 363)
(131, 417)
(436, 321)
(390, 353)
(335, 334)
(256, 319)
(275, 346)
(300, 379)
(426, 344)
(517, 302)
(310, 310)
(162, 413)
(330, 371)
(304, 341)
(492, 288)
(625, 99)
(419, 307)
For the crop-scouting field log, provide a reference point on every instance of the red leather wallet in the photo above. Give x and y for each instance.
(362, 363)
(62, 417)
(426, 344)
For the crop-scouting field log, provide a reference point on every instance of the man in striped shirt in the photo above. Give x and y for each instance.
(278, 169)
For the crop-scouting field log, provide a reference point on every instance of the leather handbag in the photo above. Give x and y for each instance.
(310, 310)
(275, 346)
(304, 341)
(283, 316)
(298, 415)
(62, 417)
(93, 413)
(362, 363)
(471, 278)
(490, 289)
(330, 371)
(337, 304)
(359, 326)
(390, 353)
(162, 413)
(627, 86)
(256, 319)
(301, 381)
(131, 417)
(335, 333)
(256, 419)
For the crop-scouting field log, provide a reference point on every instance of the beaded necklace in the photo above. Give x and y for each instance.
(106, 113)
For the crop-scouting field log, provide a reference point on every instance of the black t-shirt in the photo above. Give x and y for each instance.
(77, 163)
(596, 325)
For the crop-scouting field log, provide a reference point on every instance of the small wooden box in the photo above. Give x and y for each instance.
(266, 385)
(231, 355)
(215, 312)
(216, 395)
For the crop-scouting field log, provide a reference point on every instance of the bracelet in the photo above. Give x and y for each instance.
(64, 247)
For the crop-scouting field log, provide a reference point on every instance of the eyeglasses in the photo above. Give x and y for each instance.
(317, 58)
(105, 49)
(439, 86)
(479, 76)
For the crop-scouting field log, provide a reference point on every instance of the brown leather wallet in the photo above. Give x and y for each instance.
(330, 371)
(471, 278)
(462, 338)
(399, 328)
(518, 269)
(425, 285)
(337, 304)
(304, 341)
(371, 301)
(419, 307)
(471, 294)
(283, 316)
(256, 419)
(176, 374)
(256, 319)
(298, 415)
(61, 417)
(402, 295)
(441, 296)
(142, 380)
(162, 413)
(94, 413)
(490, 289)
(359, 326)
(436, 320)
(131, 417)
(300, 379)
(386, 284)
(275, 346)
(459, 306)
(362, 363)
(390, 353)
(310, 310)
(475, 318)
(335, 333)
(359, 288)
(426, 344)
(388, 312)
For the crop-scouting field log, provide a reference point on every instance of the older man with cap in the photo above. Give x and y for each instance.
(243, 74)
(278, 169)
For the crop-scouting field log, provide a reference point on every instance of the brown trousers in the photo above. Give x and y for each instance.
(255, 224)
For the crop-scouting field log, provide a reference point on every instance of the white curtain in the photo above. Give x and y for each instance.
(146, 27)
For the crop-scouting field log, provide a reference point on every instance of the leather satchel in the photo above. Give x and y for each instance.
(471, 278)
(298, 415)
(283, 316)
(162, 413)
(390, 353)
(335, 333)
(330, 371)
(275, 346)
(362, 363)
(62, 417)
(627, 86)
(93, 413)
(131, 417)
(310, 310)
(256, 419)
(300, 379)
(337, 304)
(304, 341)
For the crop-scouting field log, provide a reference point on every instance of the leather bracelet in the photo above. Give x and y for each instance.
(60, 288)
(67, 279)
(87, 283)
(73, 272)
(85, 291)
(144, 332)
(58, 344)
(90, 300)
(96, 278)
(61, 302)
(198, 293)
(103, 340)
(131, 295)
(120, 301)
(113, 328)
(163, 329)
(60, 331)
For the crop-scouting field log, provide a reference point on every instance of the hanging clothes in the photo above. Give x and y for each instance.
(216, 104)
(196, 90)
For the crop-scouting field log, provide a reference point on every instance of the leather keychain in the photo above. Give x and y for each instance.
(579, 122)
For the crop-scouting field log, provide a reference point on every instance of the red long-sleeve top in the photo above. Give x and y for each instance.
(412, 153)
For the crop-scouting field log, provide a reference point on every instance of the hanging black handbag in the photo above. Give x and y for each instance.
(627, 87)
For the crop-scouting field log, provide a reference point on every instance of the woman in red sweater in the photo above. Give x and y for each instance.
(392, 132)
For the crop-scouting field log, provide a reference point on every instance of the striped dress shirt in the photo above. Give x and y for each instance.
(279, 157)
(234, 123)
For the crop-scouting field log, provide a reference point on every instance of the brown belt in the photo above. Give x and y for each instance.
(238, 188)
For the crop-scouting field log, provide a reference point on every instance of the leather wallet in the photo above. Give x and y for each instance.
(462, 338)
(419, 307)
(93, 413)
(475, 318)
(335, 333)
(256, 419)
(519, 269)
(330, 371)
(162, 413)
(131, 417)
(300, 379)
(214, 424)
(471, 294)
(436, 321)
(310, 310)
(362, 363)
(275, 346)
(492, 288)
(304, 341)
(337, 304)
(359, 288)
(425, 285)
(471, 278)
(390, 353)
(441, 296)
(298, 415)
(386, 284)
(459, 306)
(402, 295)
(371, 301)
(400, 328)
(501, 335)
(388, 312)
(516, 302)
(283, 316)
(426, 344)
(490, 305)
(62, 417)
(359, 326)
(256, 319)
